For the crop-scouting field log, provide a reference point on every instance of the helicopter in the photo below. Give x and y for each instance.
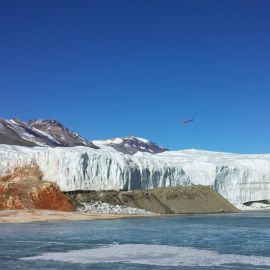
(188, 121)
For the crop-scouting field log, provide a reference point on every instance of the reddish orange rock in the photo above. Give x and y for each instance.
(24, 189)
(48, 196)
(14, 203)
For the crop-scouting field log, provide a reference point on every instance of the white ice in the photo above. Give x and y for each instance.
(155, 255)
(239, 178)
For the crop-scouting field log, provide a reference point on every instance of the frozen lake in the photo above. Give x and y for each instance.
(229, 241)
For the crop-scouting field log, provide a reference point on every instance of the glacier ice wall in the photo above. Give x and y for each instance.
(239, 178)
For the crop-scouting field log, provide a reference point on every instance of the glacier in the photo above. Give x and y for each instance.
(237, 177)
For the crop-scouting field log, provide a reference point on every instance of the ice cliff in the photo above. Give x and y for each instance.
(239, 178)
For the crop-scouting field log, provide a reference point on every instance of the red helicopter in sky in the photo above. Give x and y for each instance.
(188, 121)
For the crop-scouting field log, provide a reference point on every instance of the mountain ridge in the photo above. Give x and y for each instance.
(131, 145)
(32, 133)
(51, 133)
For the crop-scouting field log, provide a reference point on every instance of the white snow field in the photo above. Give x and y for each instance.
(254, 206)
(238, 177)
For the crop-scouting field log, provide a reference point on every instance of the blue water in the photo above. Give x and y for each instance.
(229, 241)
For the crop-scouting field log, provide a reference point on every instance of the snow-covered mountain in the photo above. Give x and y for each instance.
(128, 162)
(51, 133)
(60, 134)
(131, 145)
(39, 133)
(239, 178)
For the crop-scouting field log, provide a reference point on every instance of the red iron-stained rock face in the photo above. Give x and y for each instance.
(24, 189)
(48, 196)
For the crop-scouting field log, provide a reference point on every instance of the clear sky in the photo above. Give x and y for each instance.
(114, 68)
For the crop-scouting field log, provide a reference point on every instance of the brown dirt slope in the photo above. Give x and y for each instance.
(169, 200)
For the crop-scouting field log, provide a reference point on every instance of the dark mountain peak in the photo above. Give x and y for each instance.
(45, 122)
(61, 134)
(39, 133)
(131, 145)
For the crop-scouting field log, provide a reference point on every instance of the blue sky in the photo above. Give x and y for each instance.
(115, 68)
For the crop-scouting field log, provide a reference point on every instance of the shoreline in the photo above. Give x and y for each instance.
(41, 215)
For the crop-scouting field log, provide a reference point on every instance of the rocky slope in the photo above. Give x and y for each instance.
(39, 133)
(172, 200)
(239, 178)
(24, 189)
(60, 134)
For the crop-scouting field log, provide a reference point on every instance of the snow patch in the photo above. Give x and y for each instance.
(254, 206)
(141, 139)
(50, 137)
(110, 141)
(154, 255)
